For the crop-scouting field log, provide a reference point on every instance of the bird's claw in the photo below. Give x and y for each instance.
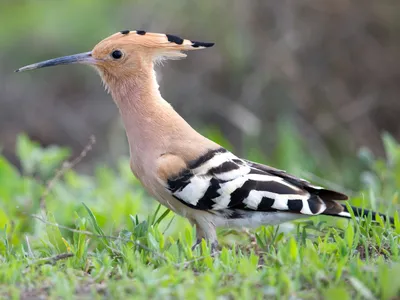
(214, 246)
(198, 241)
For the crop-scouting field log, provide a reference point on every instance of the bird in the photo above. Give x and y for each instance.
(185, 171)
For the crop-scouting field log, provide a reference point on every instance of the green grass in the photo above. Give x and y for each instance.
(66, 235)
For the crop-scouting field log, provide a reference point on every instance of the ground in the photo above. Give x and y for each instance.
(66, 235)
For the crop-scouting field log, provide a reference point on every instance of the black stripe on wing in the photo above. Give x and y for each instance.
(224, 168)
(179, 182)
(205, 157)
(206, 202)
(301, 183)
(274, 187)
(295, 205)
(266, 204)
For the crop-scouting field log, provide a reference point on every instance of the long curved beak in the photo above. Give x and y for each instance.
(81, 58)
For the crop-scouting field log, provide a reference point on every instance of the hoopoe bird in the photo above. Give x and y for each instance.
(183, 170)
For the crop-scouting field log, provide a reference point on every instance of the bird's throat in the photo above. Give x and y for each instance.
(150, 121)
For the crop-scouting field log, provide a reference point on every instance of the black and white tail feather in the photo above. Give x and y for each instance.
(234, 189)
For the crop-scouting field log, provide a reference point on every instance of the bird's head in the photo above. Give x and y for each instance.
(126, 54)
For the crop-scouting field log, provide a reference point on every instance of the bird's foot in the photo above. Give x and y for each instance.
(198, 241)
(213, 245)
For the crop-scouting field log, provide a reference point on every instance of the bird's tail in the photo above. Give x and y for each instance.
(361, 213)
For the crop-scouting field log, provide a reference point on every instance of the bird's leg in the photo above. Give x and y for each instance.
(206, 232)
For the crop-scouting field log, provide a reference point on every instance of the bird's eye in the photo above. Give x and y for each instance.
(117, 54)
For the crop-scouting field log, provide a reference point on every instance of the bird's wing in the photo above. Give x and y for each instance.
(219, 180)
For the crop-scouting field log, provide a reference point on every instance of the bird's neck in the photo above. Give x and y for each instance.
(150, 122)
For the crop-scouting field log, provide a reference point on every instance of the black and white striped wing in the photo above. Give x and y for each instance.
(219, 180)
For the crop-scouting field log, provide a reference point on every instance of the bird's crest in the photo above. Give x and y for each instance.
(158, 44)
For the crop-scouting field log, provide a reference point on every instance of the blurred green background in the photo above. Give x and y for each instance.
(309, 86)
(302, 85)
